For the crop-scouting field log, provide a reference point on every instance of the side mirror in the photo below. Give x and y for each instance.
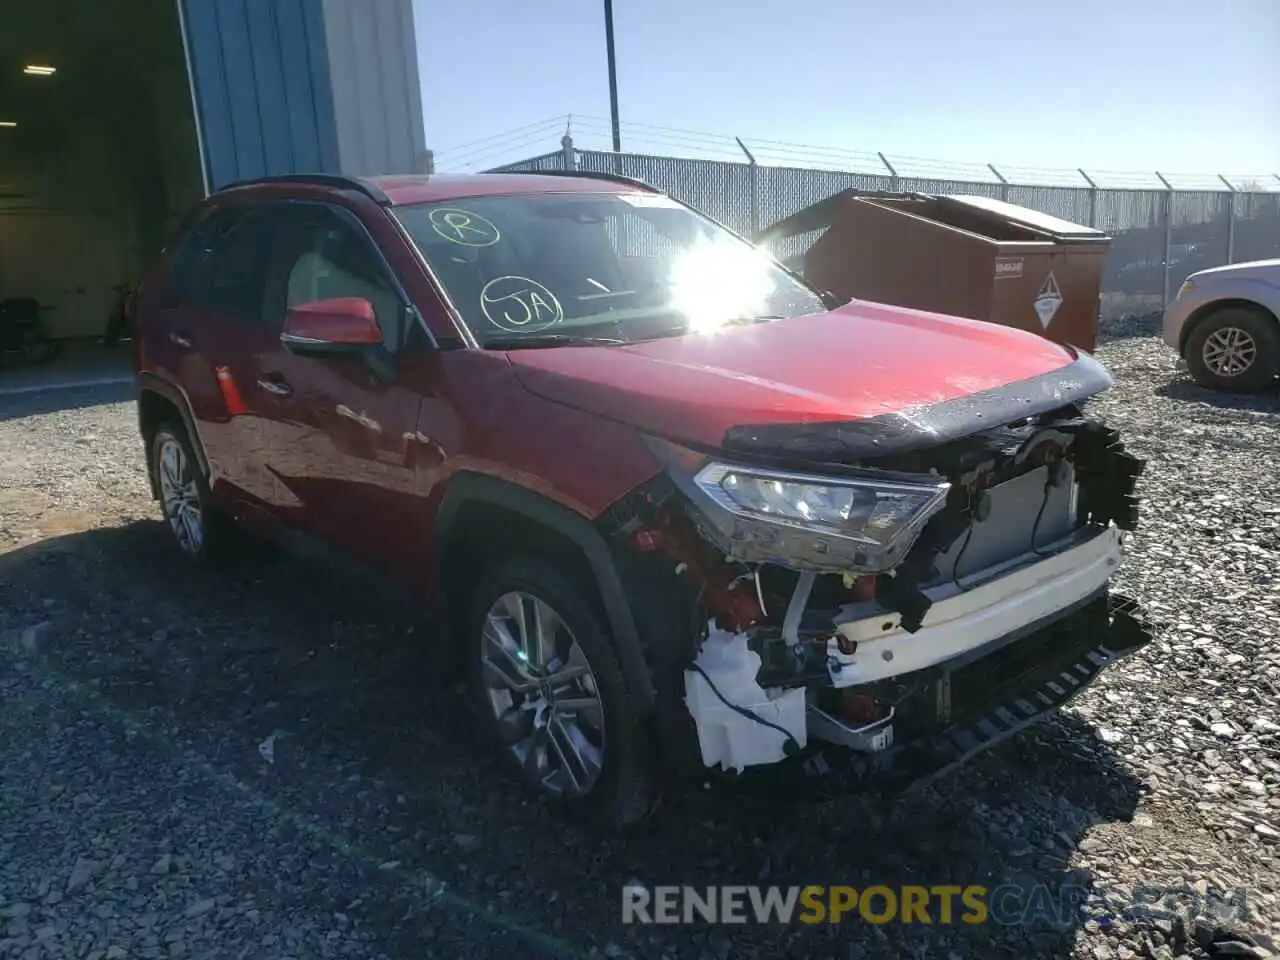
(335, 325)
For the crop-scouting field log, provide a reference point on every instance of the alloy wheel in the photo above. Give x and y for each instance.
(179, 495)
(543, 694)
(1229, 351)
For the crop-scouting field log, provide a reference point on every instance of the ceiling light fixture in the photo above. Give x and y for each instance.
(8, 123)
(36, 70)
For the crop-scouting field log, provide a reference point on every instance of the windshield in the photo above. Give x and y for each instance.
(561, 269)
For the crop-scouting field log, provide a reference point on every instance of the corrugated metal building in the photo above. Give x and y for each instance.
(149, 104)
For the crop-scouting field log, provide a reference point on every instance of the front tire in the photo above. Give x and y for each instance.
(549, 686)
(1235, 350)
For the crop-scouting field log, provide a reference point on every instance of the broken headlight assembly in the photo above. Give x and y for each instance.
(858, 522)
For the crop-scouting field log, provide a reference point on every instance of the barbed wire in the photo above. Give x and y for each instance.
(591, 131)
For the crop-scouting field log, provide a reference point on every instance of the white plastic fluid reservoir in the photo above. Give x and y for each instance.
(726, 737)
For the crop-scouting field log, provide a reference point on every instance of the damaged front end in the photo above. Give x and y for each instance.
(914, 596)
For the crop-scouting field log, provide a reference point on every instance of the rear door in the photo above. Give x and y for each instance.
(227, 329)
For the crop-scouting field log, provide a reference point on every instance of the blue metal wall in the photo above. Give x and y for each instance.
(261, 87)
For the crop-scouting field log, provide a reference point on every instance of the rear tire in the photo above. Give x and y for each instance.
(592, 761)
(200, 531)
(1234, 349)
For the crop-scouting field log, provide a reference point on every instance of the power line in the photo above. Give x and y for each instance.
(473, 159)
(525, 143)
(540, 124)
(683, 143)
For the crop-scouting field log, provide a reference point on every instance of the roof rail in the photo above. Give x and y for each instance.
(586, 175)
(336, 180)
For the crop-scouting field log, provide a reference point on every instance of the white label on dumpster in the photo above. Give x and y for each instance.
(1008, 269)
(1048, 300)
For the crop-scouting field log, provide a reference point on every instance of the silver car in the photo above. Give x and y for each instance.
(1224, 324)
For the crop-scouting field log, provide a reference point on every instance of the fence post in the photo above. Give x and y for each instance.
(754, 172)
(568, 156)
(894, 185)
(1168, 236)
(1231, 219)
(1093, 198)
(1004, 184)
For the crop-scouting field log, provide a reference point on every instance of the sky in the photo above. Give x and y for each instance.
(1188, 86)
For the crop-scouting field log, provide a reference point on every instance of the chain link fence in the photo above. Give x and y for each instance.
(1159, 237)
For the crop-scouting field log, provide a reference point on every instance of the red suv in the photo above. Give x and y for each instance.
(676, 509)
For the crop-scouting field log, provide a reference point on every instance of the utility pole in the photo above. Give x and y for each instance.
(613, 76)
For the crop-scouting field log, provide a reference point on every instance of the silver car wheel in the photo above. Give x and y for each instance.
(543, 694)
(179, 495)
(1229, 351)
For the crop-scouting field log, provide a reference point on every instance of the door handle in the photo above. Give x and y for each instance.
(275, 384)
(180, 339)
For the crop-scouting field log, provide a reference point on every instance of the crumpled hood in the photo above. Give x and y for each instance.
(861, 361)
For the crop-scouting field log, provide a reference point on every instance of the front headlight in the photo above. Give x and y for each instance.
(863, 523)
(873, 512)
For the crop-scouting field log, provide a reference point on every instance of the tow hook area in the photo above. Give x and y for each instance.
(862, 723)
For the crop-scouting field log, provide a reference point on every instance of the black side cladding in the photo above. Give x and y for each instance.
(902, 432)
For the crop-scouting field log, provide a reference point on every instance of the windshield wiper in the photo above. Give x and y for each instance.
(520, 341)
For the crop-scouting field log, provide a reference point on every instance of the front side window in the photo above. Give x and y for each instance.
(323, 256)
(560, 268)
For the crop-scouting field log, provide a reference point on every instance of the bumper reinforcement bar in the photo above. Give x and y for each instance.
(914, 763)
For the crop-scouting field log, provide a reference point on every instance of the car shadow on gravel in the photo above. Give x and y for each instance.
(322, 701)
(1185, 390)
(15, 406)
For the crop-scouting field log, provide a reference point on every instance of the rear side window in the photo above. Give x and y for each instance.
(233, 271)
(191, 252)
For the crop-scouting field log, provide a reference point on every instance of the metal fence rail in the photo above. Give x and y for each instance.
(1159, 237)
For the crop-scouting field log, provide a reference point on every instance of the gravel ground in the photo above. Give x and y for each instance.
(257, 764)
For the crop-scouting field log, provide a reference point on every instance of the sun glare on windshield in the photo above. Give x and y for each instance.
(712, 282)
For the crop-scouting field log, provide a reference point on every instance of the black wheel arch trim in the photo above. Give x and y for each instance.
(918, 428)
(151, 383)
(466, 488)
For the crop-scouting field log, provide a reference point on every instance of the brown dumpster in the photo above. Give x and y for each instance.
(965, 256)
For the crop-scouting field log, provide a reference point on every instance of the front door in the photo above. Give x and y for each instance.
(343, 429)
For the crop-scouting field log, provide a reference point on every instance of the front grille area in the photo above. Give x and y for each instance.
(1023, 514)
